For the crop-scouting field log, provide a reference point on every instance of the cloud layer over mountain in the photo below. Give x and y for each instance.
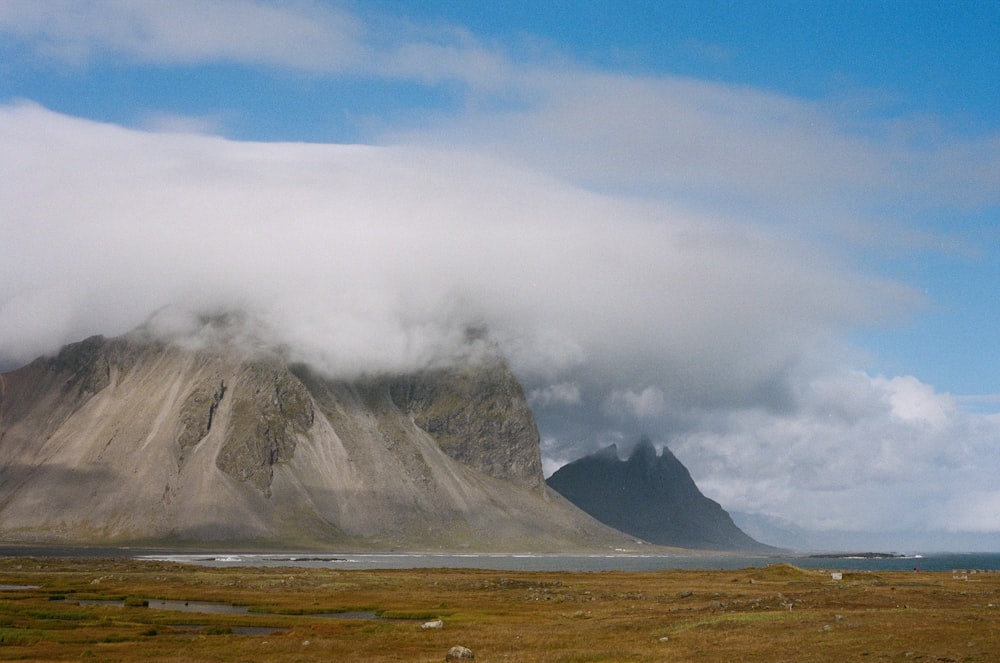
(623, 316)
(657, 255)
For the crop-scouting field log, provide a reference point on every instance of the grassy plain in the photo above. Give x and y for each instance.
(778, 613)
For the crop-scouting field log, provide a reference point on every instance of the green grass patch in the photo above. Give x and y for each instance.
(738, 619)
(59, 615)
(19, 636)
(412, 614)
(311, 610)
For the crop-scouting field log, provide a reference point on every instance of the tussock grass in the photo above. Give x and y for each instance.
(753, 615)
(413, 614)
(784, 572)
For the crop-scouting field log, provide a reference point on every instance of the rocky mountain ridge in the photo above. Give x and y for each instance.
(133, 440)
(651, 496)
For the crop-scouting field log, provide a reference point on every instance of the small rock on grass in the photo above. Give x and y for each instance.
(459, 653)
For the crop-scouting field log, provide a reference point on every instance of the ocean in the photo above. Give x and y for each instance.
(967, 562)
(622, 561)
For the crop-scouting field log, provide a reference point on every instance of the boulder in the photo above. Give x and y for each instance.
(459, 653)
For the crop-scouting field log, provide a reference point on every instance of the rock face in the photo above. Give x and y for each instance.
(652, 497)
(479, 416)
(130, 440)
(270, 409)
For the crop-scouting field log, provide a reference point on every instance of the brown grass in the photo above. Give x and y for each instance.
(779, 613)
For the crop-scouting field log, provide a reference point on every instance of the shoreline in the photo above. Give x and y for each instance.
(603, 560)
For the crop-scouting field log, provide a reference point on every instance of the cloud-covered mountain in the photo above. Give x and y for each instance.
(651, 496)
(725, 331)
(139, 440)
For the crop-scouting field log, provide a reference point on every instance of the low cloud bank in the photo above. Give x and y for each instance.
(377, 258)
(622, 315)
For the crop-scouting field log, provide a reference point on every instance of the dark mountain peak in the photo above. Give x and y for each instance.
(667, 456)
(651, 496)
(609, 452)
(644, 453)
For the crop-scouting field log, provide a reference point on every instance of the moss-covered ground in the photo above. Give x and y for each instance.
(778, 613)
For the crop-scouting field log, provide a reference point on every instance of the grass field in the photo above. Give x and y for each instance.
(778, 613)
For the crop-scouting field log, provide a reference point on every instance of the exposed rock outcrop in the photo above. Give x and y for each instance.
(197, 412)
(271, 407)
(479, 416)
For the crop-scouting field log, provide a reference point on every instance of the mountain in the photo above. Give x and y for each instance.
(134, 440)
(652, 497)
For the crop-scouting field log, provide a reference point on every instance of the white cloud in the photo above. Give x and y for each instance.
(976, 510)
(562, 393)
(776, 158)
(912, 400)
(385, 252)
(857, 453)
(444, 54)
(645, 404)
(305, 35)
(772, 156)
(183, 124)
(801, 162)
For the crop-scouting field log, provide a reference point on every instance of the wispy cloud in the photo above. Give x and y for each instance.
(805, 161)
(184, 124)
(732, 147)
(648, 403)
(561, 393)
(304, 35)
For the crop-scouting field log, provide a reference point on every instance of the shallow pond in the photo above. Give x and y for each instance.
(209, 607)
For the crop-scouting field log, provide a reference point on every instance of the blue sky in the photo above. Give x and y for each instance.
(925, 58)
(750, 230)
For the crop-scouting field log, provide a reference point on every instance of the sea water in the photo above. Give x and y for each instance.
(612, 561)
(594, 562)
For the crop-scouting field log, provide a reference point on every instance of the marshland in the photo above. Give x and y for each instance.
(63, 609)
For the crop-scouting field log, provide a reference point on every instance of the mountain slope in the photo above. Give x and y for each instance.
(650, 496)
(131, 440)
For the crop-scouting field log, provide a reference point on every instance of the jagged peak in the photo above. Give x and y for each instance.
(651, 496)
(644, 452)
(79, 352)
(609, 452)
(666, 455)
